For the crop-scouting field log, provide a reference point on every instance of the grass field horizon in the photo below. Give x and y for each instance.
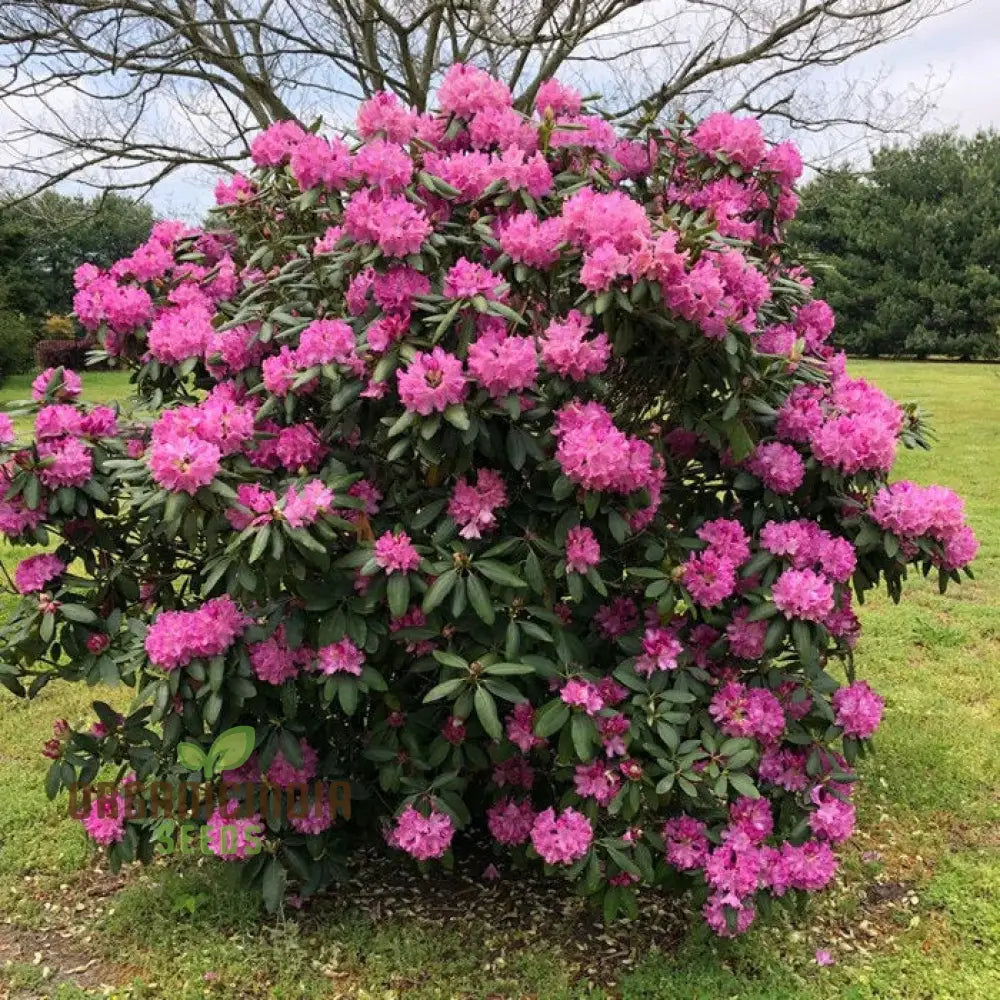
(915, 914)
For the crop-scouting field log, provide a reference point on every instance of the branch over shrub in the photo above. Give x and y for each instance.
(501, 467)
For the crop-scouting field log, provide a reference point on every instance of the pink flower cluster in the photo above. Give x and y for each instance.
(422, 837)
(751, 712)
(474, 507)
(432, 382)
(912, 512)
(176, 638)
(562, 838)
(582, 549)
(566, 351)
(395, 553)
(36, 572)
(596, 455)
(858, 709)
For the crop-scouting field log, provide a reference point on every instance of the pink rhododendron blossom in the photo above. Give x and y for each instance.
(561, 839)
(65, 462)
(579, 693)
(710, 577)
(341, 657)
(801, 593)
(597, 781)
(510, 822)
(752, 712)
(833, 818)
(175, 638)
(283, 772)
(422, 837)
(304, 505)
(56, 383)
(520, 728)
(566, 350)
(273, 660)
(432, 382)
(105, 823)
(184, 464)
(395, 553)
(582, 549)
(858, 709)
(317, 819)
(617, 618)
(503, 364)
(598, 456)
(474, 507)
(686, 842)
(231, 836)
(35, 572)
(779, 465)
(660, 649)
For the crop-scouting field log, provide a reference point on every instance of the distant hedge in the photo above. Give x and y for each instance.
(912, 249)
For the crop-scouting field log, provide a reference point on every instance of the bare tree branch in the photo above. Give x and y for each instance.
(123, 94)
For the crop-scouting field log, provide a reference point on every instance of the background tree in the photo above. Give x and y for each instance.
(42, 241)
(912, 248)
(131, 91)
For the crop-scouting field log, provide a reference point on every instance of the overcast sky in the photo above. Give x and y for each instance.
(960, 50)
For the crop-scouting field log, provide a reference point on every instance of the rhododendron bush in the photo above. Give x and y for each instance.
(498, 465)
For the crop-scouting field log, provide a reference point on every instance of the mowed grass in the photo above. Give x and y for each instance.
(915, 914)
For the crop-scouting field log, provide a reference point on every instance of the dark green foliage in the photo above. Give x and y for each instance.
(17, 342)
(44, 240)
(912, 249)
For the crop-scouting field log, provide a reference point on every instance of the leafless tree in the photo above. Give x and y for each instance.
(125, 93)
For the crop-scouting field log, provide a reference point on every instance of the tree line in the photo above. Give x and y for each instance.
(42, 241)
(908, 252)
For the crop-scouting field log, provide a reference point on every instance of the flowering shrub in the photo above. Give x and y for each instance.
(499, 465)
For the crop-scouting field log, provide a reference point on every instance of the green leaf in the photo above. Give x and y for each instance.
(230, 749)
(480, 600)
(458, 417)
(499, 573)
(509, 669)
(439, 590)
(260, 543)
(517, 452)
(77, 613)
(583, 733)
(398, 592)
(743, 785)
(486, 711)
(450, 659)
(739, 440)
(445, 689)
(273, 885)
(533, 571)
(347, 692)
(551, 717)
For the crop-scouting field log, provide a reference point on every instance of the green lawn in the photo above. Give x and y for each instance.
(915, 916)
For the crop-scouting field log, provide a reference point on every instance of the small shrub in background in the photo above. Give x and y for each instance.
(70, 353)
(59, 327)
(500, 466)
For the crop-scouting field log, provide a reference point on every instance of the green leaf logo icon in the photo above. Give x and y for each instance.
(191, 756)
(231, 749)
